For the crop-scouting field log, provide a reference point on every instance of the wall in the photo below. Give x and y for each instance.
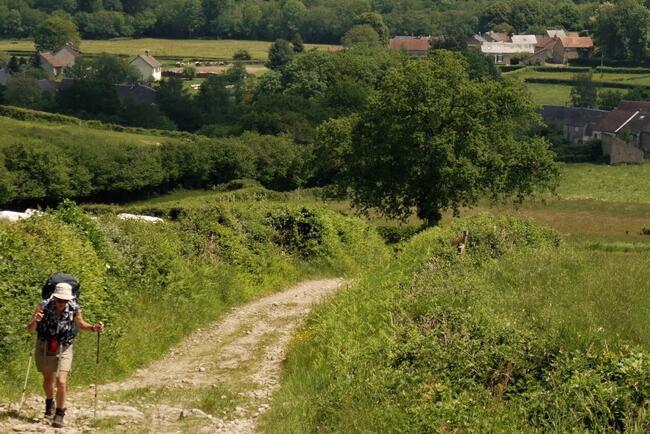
(619, 151)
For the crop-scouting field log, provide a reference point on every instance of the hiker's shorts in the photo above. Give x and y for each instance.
(49, 364)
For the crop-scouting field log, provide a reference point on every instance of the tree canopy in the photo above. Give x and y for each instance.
(55, 32)
(433, 139)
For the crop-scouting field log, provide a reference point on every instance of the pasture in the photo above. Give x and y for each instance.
(165, 48)
(560, 93)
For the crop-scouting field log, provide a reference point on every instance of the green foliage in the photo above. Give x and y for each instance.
(45, 164)
(584, 92)
(135, 276)
(620, 30)
(497, 340)
(242, 55)
(433, 139)
(105, 68)
(360, 34)
(280, 53)
(53, 33)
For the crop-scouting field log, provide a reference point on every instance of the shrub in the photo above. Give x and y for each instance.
(135, 275)
(242, 55)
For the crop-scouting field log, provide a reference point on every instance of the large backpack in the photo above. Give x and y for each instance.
(57, 278)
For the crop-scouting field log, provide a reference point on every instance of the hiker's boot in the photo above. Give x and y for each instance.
(49, 408)
(58, 418)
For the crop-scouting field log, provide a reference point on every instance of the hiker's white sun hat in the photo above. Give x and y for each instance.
(63, 291)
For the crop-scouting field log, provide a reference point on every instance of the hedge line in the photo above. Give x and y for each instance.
(23, 114)
(42, 168)
(571, 82)
(603, 69)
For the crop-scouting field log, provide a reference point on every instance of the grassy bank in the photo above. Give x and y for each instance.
(155, 283)
(172, 48)
(519, 335)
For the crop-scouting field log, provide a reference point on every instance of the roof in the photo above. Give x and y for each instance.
(524, 39)
(4, 76)
(411, 43)
(555, 33)
(138, 93)
(497, 37)
(506, 48)
(577, 42)
(632, 114)
(572, 116)
(545, 43)
(149, 60)
(46, 85)
(49, 58)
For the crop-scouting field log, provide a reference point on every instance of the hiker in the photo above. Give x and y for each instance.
(55, 321)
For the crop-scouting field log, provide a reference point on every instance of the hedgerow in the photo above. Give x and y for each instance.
(43, 165)
(137, 276)
(425, 346)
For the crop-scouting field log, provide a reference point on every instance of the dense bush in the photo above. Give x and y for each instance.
(44, 164)
(134, 275)
(439, 342)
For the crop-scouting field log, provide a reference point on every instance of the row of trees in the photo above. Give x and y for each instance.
(620, 25)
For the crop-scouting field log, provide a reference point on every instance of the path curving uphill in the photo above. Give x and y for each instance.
(218, 380)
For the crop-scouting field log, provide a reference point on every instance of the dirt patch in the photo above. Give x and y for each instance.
(218, 380)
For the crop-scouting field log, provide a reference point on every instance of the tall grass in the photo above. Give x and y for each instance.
(519, 335)
(155, 283)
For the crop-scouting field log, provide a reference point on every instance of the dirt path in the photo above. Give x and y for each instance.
(218, 380)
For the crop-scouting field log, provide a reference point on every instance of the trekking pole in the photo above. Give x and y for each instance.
(96, 376)
(22, 398)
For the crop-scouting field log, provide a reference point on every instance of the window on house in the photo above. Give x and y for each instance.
(499, 58)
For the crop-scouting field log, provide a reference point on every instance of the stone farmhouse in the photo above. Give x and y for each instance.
(555, 46)
(148, 66)
(624, 132)
(55, 63)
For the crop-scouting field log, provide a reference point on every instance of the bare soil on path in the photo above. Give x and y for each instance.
(218, 380)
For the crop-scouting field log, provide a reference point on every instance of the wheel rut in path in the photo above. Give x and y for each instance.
(218, 380)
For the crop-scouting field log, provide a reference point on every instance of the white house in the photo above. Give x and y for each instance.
(524, 43)
(148, 66)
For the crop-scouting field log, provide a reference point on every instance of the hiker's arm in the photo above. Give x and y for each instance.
(38, 316)
(83, 325)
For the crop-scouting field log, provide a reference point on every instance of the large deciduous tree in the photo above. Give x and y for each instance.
(433, 139)
(53, 33)
(621, 30)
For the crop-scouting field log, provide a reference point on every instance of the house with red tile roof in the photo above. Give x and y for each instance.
(415, 46)
(55, 63)
(572, 47)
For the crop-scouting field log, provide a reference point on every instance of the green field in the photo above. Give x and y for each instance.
(520, 335)
(170, 48)
(560, 94)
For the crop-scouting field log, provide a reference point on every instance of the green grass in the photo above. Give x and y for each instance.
(622, 183)
(136, 276)
(176, 48)
(560, 94)
(14, 131)
(518, 335)
(549, 94)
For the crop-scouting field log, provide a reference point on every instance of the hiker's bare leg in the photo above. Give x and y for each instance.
(48, 385)
(60, 389)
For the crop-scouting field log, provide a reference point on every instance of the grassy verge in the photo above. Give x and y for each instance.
(519, 335)
(173, 48)
(155, 283)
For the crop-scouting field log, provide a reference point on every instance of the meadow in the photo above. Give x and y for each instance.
(560, 93)
(166, 48)
(522, 334)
